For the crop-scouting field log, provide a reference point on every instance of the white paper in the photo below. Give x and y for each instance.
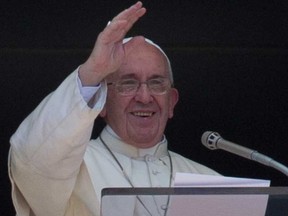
(217, 205)
(198, 180)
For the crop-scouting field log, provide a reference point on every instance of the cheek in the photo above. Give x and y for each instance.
(115, 107)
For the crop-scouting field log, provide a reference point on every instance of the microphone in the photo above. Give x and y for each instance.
(213, 141)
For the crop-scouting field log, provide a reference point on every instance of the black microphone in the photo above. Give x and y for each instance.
(213, 141)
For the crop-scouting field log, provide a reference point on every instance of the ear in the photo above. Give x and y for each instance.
(174, 96)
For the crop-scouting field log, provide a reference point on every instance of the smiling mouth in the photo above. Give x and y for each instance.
(143, 114)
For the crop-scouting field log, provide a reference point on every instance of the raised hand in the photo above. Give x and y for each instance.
(108, 52)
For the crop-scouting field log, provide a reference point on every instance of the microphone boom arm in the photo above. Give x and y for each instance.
(213, 141)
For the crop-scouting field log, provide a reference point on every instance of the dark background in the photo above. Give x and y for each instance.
(229, 59)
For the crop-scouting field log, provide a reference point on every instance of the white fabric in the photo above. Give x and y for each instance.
(55, 169)
(87, 92)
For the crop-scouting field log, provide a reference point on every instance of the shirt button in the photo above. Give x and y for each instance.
(149, 158)
(155, 172)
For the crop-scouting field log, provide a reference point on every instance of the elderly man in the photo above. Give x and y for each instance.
(55, 168)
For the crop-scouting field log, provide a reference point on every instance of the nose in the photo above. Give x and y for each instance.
(143, 94)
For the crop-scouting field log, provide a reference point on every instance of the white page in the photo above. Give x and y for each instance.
(217, 205)
(198, 180)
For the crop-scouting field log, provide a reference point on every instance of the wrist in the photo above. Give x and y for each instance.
(89, 77)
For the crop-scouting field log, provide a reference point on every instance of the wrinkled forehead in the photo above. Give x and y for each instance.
(125, 40)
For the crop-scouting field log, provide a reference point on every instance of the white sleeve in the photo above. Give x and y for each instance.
(87, 92)
(48, 148)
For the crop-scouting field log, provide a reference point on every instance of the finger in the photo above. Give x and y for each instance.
(118, 28)
(114, 32)
(133, 19)
(129, 12)
(122, 23)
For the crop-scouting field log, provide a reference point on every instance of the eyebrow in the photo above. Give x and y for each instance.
(127, 76)
(133, 76)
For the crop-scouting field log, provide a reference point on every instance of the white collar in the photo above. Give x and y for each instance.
(113, 141)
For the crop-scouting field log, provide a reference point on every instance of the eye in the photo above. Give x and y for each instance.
(128, 82)
(156, 82)
(127, 85)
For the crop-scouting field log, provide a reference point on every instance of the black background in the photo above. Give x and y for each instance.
(229, 60)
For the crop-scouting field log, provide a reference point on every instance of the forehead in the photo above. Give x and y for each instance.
(143, 60)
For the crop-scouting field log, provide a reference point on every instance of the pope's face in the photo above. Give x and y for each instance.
(140, 119)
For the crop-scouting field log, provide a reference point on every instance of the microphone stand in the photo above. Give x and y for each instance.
(269, 162)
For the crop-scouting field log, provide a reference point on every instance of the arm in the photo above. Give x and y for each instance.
(48, 147)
